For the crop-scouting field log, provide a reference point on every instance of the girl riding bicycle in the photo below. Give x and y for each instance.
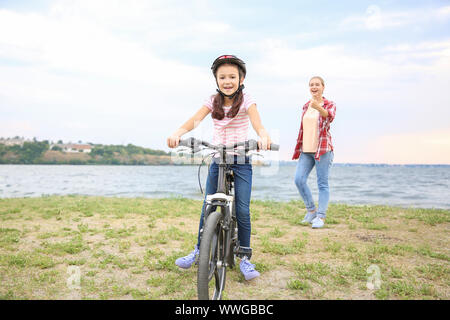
(231, 109)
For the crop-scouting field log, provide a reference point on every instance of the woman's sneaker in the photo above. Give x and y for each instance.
(187, 261)
(309, 217)
(317, 223)
(248, 269)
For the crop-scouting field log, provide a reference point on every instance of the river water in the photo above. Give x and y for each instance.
(406, 186)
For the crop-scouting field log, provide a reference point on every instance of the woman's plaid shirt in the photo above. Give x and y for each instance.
(325, 143)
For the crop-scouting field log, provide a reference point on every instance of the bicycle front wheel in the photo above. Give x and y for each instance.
(211, 265)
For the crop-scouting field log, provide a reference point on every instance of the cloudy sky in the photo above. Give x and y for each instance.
(119, 72)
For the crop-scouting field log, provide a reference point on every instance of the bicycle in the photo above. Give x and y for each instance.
(219, 243)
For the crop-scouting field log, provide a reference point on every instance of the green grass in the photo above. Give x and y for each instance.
(9, 236)
(73, 246)
(126, 249)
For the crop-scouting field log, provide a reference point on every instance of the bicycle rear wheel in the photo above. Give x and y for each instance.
(211, 265)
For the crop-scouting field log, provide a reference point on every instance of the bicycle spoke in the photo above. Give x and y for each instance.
(220, 283)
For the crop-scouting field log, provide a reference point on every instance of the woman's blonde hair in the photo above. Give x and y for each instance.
(317, 77)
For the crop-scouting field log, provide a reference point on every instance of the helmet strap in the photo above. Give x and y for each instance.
(231, 96)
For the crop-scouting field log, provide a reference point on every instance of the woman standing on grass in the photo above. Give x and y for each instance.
(314, 148)
(231, 109)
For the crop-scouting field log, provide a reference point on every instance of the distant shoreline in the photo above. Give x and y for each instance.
(282, 163)
(18, 151)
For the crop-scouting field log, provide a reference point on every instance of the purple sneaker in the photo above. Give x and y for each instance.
(187, 261)
(248, 269)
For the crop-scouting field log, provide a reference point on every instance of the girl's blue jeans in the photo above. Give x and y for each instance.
(242, 190)
(304, 166)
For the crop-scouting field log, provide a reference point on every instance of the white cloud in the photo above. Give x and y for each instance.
(391, 76)
(81, 78)
(99, 38)
(376, 18)
(443, 12)
(281, 60)
(83, 41)
(339, 62)
(431, 49)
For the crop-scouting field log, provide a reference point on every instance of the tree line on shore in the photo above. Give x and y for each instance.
(42, 152)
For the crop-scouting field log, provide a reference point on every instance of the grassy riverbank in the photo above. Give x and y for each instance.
(125, 249)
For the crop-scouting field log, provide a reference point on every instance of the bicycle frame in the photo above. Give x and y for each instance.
(224, 199)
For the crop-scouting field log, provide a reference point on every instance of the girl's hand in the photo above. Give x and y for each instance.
(173, 141)
(264, 143)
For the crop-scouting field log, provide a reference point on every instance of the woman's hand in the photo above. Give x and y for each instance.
(173, 141)
(316, 103)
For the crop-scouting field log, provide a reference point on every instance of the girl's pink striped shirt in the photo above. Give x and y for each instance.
(231, 130)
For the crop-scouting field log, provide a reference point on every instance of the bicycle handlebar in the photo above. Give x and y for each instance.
(249, 145)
